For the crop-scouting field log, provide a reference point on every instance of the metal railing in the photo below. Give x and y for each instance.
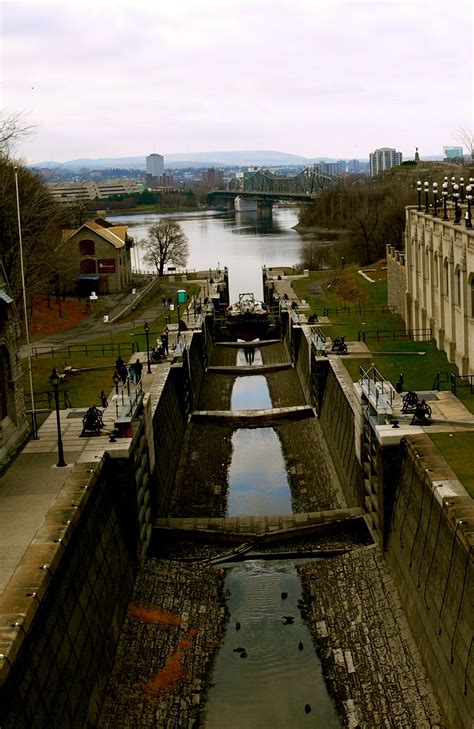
(327, 311)
(461, 382)
(87, 350)
(380, 392)
(384, 335)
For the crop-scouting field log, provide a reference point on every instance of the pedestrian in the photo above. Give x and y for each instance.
(163, 301)
(164, 341)
(131, 373)
(119, 363)
(123, 372)
(170, 301)
(138, 371)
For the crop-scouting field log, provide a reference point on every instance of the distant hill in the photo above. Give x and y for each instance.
(264, 158)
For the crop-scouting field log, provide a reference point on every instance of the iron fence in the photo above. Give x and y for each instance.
(87, 350)
(384, 335)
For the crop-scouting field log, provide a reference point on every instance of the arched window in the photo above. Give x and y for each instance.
(88, 265)
(471, 287)
(446, 277)
(87, 247)
(435, 270)
(457, 286)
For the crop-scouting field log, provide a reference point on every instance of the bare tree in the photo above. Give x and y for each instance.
(41, 222)
(166, 243)
(13, 128)
(466, 137)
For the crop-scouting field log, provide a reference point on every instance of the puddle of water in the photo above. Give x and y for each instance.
(250, 392)
(258, 483)
(249, 356)
(274, 683)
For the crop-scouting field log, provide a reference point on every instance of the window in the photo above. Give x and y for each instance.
(457, 286)
(446, 277)
(435, 270)
(87, 247)
(88, 266)
(471, 286)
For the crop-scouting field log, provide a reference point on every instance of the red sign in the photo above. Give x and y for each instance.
(106, 265)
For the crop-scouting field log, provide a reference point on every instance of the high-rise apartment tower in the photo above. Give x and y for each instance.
(155, 165)
(384, 159)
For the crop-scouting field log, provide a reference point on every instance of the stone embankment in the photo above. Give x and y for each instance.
(174, 626)
(370, 662)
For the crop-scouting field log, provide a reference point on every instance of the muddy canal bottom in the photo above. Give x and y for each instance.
(267, 673)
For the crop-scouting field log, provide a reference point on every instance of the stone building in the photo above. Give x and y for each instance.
(14, 427)
(439, 270)
(102, 252)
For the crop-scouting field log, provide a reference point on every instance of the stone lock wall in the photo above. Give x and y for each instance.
(430, 554)
(62, 612)
(338, 422)
(396, 281)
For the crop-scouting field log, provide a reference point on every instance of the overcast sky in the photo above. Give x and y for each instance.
(334, 78)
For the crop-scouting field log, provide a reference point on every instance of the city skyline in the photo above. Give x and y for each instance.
(318, 79)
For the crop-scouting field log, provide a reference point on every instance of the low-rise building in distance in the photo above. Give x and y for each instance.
(102, 253)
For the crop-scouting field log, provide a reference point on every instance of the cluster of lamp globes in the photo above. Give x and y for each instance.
(457, 190)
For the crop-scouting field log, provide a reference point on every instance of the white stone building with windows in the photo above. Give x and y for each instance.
(439, 261)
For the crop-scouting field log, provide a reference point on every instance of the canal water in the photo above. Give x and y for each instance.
(241, 241)
(278, 682)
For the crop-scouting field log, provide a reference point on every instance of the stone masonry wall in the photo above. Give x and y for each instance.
(430, 554)
(62, 612)
(396, 281)
(338, 424)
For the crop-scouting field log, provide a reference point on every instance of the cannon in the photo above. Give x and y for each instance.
(92, 422)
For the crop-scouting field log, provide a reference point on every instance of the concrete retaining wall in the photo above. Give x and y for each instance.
(430, 554)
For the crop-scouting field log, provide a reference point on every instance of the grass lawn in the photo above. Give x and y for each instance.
(457, 448)
(83, 388)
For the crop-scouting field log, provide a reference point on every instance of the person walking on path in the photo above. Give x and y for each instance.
(164, 340)
(131, 373)
(123, 372)
(138, 367)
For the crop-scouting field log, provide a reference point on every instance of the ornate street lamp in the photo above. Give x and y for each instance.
(445, 198)
(418, 189)
(435, 199)
(461, 185)
(146, 327)
(427, 205)
(116, 380)
(469, 202)
(55, 380)
(457, 209)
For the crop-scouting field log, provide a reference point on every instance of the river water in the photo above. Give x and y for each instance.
(243, 242)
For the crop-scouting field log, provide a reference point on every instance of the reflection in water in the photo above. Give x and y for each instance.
(212, 241)
(273, 684)
(251, 393)
(258, 483)
(248, 356)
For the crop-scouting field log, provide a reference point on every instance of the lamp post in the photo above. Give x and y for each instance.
(25, 312)
(445, 199)
(116, 380)
(55, 380)
(427, 206)
(461, 185)
(457, 210)
(418, 189)
(435, 199)
(469, 202)
(146, 327)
